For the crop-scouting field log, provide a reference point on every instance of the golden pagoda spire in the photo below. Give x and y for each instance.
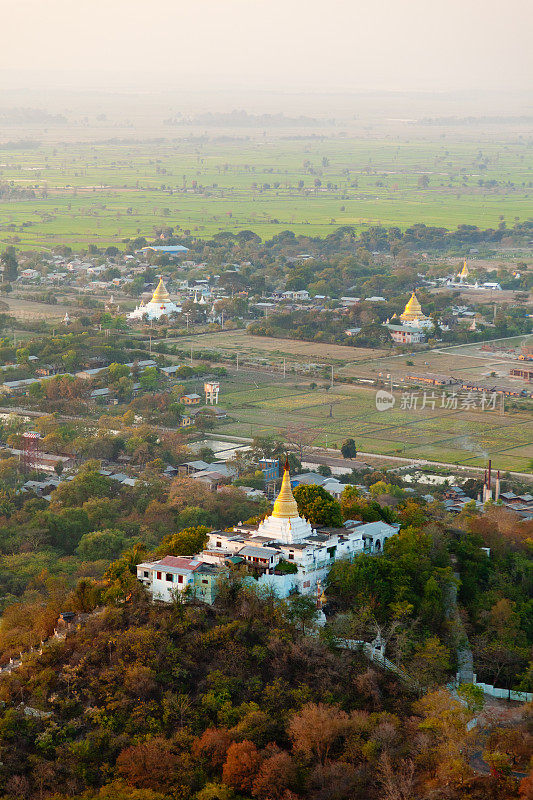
(160, 295)
(413, 310)
(285, 505)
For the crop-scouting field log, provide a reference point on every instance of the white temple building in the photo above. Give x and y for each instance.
(160, 305)
(284, 536)
(461, 281)
(266, 550)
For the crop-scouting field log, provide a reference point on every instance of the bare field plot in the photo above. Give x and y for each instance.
(471, 364)
(265, 346)
(29, 309)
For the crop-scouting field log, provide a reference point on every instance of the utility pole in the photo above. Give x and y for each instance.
(150, 344)
(237, 362)
(284, 369)
(332, 376)
(191, 353)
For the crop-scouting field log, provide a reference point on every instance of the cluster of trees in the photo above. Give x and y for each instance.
(496, 592)
(235, 701)
(344, 262)
(46, 546)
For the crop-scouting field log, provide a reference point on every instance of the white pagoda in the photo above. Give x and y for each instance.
(160, 305)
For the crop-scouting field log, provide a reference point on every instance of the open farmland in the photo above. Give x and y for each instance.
(463, 362)
(31, 310)
(103, 192)
(266, 348)
(462, 437)
(268, 403)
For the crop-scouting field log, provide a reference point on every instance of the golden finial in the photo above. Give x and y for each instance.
(161, 294)
(285, 505)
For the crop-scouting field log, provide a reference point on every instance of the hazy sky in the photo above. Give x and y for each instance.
(274, 44)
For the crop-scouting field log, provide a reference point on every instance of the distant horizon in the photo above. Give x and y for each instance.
(116, 81)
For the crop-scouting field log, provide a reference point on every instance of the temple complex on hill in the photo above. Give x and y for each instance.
(160, 305)
(284, 552)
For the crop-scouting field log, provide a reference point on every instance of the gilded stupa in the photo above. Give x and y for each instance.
(285, 506)
(160, 305)
(413, 316)
(463, 275)
(285, 524)
(160, 295)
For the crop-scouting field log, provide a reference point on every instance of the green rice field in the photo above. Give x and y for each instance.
(102, 193)
(464, 438)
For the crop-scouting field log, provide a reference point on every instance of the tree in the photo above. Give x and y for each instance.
(106, 544)
(275, 776)
(23, 356)
(86, 484)
(445, 720)
(9, 262)
(149, 379)
(319, 507)
(473, 696)
(268, 446)
(116, 371)
(302, 610)
(187, 542)
(212, 746)
(316, 728)
(205, 421)
(241, 766)
(397, 781)
(348, 449)
(300, 437)
(430, 663)
(148, 765)
(207, 454)
(194, 517)
(66, 527)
